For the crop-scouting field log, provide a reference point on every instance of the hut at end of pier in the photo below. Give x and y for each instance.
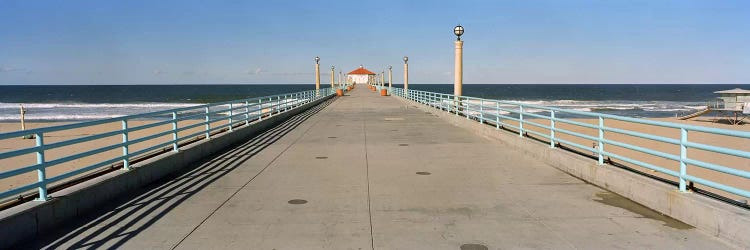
(360, 76)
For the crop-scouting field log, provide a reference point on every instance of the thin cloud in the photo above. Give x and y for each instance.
(159, 72)
(7, 69)
(293, 74)
(4, 69)
(256, 71)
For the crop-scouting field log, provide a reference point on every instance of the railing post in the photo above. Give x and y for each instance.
(481, 111)
(683, 157)
(260, 109)
(442, 102)
(551, 128)
(467, 109)
(520, 120)
(231, 113)
(455, 103)
(174, 132)
(247, 112)
(497, 114)
(601, 143)
(439, 99)
(208, 123)
(286, 102)
(125, 161)
(41, 169)
(278, 103)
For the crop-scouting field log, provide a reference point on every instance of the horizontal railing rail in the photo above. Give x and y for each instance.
(498, 113)
(230, 113)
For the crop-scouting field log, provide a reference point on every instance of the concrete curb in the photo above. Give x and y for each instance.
(719, 219)
(30, 219)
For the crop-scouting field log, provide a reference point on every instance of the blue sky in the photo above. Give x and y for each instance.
(228, 42)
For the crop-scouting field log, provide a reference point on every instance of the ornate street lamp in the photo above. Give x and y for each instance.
(458, 31)
(332, 75)
(390, 78)
(406, 76)
(459, 66)
(317, 73)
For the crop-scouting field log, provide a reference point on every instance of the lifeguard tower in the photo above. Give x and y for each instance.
(733, 105)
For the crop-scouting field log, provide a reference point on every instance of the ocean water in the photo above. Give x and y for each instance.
(632, 100)
(80, 102)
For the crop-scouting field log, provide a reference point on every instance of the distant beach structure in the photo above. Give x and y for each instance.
(735, 100)
(733, 104)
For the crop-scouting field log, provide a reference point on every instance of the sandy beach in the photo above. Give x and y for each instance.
(699, 137)
(30, 159)
(724, 141)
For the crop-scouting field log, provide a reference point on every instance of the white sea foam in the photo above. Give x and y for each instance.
(632, 108)
(82, 111)
(58, 117)
(97, 105)
(86, 111)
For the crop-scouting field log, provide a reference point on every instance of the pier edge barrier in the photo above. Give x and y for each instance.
(722, 220)
(31, 219)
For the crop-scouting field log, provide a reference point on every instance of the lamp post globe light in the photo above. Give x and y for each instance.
(317, 73)
(382, 78)
(333, 73)
(406, 76)
(459, 65)
(390, 78)
(458, 31)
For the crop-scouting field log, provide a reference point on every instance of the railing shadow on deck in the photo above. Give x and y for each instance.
(146, 206)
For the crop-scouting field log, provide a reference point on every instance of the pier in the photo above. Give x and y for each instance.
(365, 171)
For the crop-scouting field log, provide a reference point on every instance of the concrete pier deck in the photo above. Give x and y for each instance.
(371, 172)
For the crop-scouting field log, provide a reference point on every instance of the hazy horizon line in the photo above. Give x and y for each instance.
(326, 84)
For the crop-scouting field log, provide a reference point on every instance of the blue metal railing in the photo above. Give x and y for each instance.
(497, 111)
(234, 113)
